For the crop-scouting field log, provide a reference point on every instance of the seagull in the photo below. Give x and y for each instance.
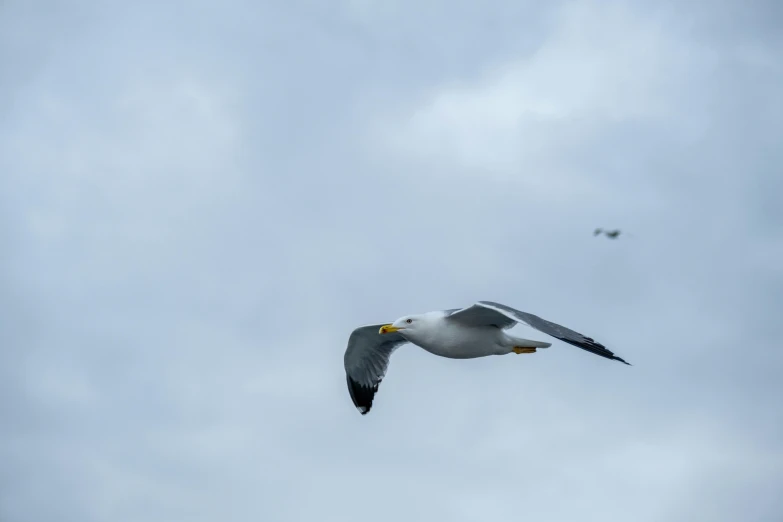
(611, 234)
(458, 333)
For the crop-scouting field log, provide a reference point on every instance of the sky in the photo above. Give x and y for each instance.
(200, 200)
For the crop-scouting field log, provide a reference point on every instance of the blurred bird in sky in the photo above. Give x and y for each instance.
(611, 234)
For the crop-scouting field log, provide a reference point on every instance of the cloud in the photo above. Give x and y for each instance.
(199, 204)
(597, 67)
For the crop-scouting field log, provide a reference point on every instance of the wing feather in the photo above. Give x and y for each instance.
(491, 313)
(366, 361)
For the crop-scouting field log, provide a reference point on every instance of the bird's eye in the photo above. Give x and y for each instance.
(409, 321)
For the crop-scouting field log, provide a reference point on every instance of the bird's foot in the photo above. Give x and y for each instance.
(520, 349)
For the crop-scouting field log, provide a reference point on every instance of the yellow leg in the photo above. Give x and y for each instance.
(520, 349)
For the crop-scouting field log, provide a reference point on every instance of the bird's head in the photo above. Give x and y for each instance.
(404, 325)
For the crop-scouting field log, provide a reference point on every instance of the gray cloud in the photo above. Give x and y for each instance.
(199, 202)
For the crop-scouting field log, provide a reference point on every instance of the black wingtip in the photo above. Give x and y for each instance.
(596, 348)
(362, 396)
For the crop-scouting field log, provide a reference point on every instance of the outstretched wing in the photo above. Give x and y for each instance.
(486, 313)
(366, 360)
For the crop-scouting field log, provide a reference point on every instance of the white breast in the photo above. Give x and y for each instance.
(456, 341)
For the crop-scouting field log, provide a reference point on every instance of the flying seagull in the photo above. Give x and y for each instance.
(459, 333)
(611, 234)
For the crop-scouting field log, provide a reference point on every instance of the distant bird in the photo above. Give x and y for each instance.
(611, 234)
(466, 333)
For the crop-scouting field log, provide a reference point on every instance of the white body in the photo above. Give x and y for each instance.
(460, 342)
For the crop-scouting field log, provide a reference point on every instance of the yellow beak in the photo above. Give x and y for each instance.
(387, 328)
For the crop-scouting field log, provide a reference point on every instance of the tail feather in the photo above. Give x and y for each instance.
(527, 343)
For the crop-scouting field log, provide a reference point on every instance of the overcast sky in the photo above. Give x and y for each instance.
(200, 200)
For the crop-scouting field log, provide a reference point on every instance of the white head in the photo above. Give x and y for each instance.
(409, 326)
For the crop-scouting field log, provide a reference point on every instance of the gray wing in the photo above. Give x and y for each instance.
(366, 360)
(488, 313)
